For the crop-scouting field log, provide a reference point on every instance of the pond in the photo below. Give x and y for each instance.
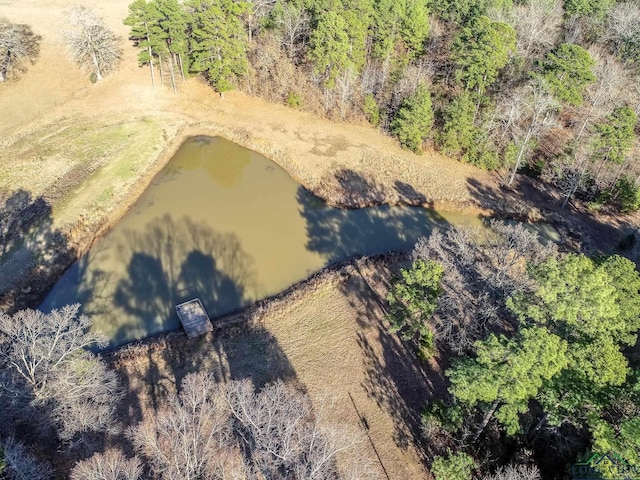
(227, 225)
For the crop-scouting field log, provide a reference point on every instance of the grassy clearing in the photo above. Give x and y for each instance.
(83, 169)
(327, 336)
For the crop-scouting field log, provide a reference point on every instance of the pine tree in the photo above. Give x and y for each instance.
(507, 373)
(568, 70)
(172, 23)
(218, 41)
(614, 140)
(143, 19)
(481, 50)
(459, 133)
(329, 47)
(412, 124)
(413, 300)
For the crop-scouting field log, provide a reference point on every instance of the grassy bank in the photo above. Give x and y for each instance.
(326, 334)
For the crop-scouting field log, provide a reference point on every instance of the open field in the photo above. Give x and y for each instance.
(327, 335)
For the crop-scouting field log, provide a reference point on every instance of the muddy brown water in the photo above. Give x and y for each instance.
(227, 225)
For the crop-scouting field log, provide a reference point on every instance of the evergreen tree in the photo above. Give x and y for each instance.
(388, 16)
(412, 301)
(588, 7)
(459, 133)
(412, 124)
(218, 42)
(582, 301)
(329, 47)
(404, 22)
(143, 19)
(457, 466)
(358, 15)
(614, 140)
(173, 29)
(507, 373)
(461, 12)
(481, 50)
(415, 26)
(567, 71)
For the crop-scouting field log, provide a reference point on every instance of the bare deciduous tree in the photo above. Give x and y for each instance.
(538, 24)
(515, 472)
(525, 114)
(287, 435)
(19, 464)
(93, 46)
(46, 358)
(623, 25)
(191, 437)
(258, 9)
(218, 431)
(110, 465)
(293, 21)
(610, 88)
(482, 269)
(19, 46)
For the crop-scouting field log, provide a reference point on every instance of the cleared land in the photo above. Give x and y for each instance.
(327, 335)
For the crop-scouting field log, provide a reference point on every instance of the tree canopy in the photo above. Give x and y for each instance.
(412, 124)
(568, 70)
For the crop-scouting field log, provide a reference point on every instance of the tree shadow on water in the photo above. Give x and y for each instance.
(172, 261)
(338, 233)
(175, 260)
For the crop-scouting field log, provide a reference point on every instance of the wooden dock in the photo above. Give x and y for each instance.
(194, 318)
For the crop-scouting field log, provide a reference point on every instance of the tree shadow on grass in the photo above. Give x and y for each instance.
(32, 251)
(583, 229)
(394, 377)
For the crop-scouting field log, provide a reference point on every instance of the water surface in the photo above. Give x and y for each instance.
(225, 224)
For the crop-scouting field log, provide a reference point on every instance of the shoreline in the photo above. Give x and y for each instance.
(254, 313)
(33, 285)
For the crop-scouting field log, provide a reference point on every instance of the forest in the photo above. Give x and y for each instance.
(544, 368)
(540, 87)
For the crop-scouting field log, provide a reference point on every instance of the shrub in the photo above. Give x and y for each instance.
(449, 417)
(294, 100)
(626, 195)
(371, 110)
(457, 466)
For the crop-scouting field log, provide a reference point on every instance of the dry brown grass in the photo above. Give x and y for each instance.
(329, 336)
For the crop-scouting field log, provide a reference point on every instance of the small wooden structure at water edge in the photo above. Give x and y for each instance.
(194, 318)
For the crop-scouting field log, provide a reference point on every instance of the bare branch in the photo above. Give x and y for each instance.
(110, 465)
(20, 464)
(92, 45)
(19, 46)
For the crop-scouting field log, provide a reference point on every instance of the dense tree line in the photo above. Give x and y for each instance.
(529, 87)
(540, 341)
